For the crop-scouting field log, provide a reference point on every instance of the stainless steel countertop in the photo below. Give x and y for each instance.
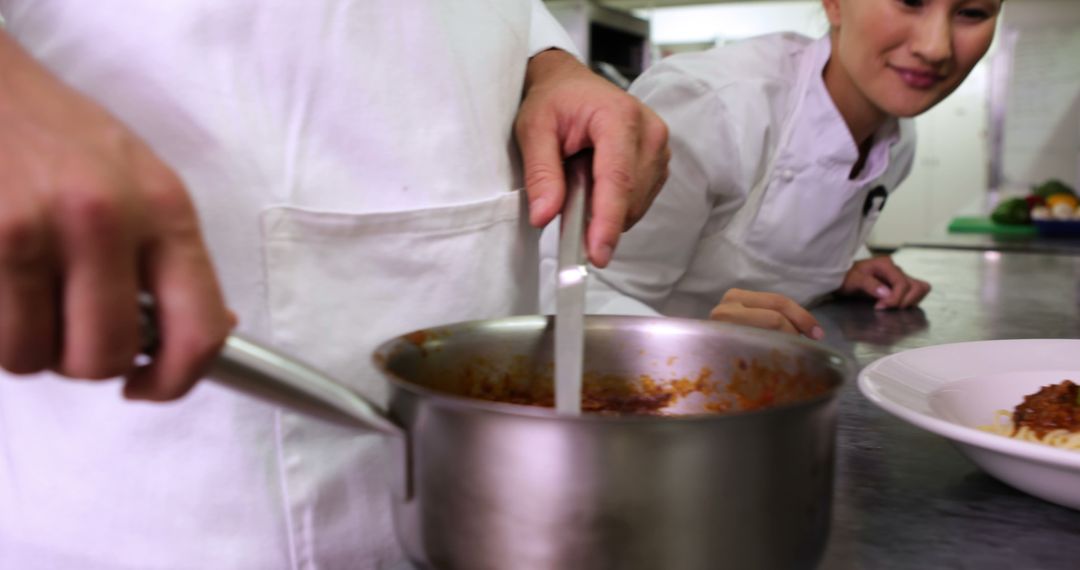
(1027, 244)
(906, 498)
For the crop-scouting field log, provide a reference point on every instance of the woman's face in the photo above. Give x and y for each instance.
(901, 57)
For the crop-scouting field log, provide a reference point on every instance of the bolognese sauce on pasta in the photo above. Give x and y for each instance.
(1050, 416)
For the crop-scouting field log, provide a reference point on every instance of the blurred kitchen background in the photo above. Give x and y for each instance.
(1014, 122)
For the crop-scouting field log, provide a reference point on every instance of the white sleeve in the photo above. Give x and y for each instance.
(600, 298)
(652, 257)
(546, 33)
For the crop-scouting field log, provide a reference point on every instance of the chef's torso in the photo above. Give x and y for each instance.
(355, 175)
(760, 194)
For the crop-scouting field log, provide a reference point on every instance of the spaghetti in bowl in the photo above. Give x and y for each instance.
(1050, 416)
(953, 390)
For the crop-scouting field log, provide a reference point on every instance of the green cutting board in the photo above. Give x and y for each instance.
(981, 225)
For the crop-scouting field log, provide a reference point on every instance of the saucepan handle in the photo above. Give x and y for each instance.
(267, 374)
(280, 379)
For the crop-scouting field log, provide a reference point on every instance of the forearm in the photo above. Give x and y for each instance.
(18, 71)
(550, 65)
(35, 95)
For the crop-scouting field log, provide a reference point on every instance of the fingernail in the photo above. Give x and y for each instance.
(817, 333)
(880, 306)
(535, 206)
(604, 254)
(882, 291)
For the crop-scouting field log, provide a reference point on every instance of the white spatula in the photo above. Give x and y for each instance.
(570, 286)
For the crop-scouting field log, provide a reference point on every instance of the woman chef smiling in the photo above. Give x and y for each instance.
(784, 150)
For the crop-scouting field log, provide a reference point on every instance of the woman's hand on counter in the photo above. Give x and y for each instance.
(567, 108)
(880, 278)
(89, 217)
(766, 311)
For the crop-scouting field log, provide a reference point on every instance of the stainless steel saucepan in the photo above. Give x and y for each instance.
(707, 445)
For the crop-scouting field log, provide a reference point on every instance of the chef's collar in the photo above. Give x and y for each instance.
(822, 124)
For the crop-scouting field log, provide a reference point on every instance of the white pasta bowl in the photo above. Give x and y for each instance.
(952, 389)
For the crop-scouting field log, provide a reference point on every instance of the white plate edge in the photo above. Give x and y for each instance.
(960, 433)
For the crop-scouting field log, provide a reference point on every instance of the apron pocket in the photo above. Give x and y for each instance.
(340, 283)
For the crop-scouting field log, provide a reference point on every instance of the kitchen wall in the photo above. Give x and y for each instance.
(719, 23)
(1041, 130)
(951, 171)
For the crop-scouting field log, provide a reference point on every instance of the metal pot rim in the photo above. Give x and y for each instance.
(386, 350)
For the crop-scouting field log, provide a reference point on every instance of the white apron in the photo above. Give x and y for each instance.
(354, 170)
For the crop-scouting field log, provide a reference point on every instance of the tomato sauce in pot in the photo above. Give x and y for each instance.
(753, 384)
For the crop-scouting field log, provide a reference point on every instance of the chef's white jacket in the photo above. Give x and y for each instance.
(759, 195)
(354, 170)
